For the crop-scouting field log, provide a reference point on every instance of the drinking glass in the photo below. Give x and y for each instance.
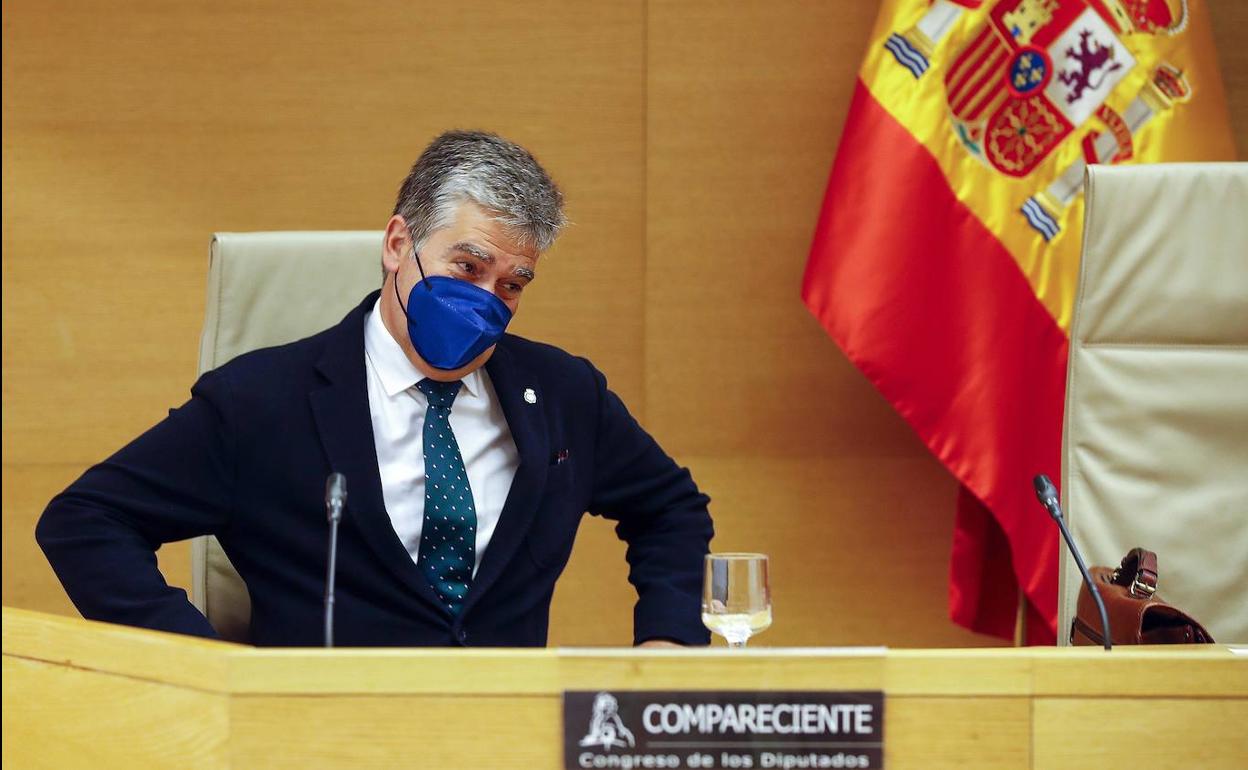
(736, 596)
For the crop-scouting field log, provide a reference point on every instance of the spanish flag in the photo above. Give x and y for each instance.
(945, 259)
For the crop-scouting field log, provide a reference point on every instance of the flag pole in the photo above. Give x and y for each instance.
(1020, 620)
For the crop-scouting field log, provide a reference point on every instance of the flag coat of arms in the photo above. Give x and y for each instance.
(945, 258)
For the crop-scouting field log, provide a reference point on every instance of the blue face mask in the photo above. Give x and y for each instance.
(451, 322)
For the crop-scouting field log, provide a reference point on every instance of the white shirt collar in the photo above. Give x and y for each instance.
(392, 365)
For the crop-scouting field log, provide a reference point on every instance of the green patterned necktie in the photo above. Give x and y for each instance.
(449, 534)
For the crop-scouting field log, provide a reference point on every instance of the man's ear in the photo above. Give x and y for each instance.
(396, 244)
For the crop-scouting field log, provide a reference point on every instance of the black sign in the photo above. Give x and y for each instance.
(637, 729)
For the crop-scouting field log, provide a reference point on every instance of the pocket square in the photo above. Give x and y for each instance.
(560, 457)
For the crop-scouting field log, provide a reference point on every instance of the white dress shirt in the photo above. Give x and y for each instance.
(398, 412)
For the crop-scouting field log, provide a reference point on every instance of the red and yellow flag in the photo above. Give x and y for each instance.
(947, 250)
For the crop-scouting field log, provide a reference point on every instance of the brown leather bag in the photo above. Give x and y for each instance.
(1137, 615)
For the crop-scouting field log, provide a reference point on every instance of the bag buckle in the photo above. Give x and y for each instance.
(1138, 588)
(1141, 589)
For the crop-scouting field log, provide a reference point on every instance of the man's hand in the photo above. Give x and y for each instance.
(661, 643)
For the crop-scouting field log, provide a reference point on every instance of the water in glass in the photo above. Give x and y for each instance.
(736, 596)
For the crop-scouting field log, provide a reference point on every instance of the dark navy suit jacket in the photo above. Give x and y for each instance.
(246, 459)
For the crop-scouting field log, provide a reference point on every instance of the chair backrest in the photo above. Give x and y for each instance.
(267, 289)
(1155, 441)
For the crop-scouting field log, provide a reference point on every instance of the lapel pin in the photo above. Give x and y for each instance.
(530, 396)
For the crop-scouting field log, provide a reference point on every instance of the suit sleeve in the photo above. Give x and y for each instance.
(662, 517)
(173, 482)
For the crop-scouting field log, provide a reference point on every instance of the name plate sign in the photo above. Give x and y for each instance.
(634, 729)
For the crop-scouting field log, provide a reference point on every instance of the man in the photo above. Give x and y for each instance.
(470, 454)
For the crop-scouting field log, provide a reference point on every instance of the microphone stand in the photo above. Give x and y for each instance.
(1046, 493)
(335, 497)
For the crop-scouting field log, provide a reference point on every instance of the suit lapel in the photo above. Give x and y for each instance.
(526, 419)
(344, 421)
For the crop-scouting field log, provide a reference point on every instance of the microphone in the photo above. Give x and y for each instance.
(335, 499)
(1046, 493)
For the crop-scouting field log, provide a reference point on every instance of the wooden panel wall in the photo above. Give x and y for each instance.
(692, 139)
(132, 134)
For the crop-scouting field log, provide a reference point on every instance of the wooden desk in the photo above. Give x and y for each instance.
(85, 694)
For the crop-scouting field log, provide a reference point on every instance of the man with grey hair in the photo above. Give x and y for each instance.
(471, 453)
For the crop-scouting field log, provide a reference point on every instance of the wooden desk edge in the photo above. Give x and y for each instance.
(222, 667)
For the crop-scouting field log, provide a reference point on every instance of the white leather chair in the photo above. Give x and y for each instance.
(267, 289)
(1155, 441)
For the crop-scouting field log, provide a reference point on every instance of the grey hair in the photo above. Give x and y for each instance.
(500, 176)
